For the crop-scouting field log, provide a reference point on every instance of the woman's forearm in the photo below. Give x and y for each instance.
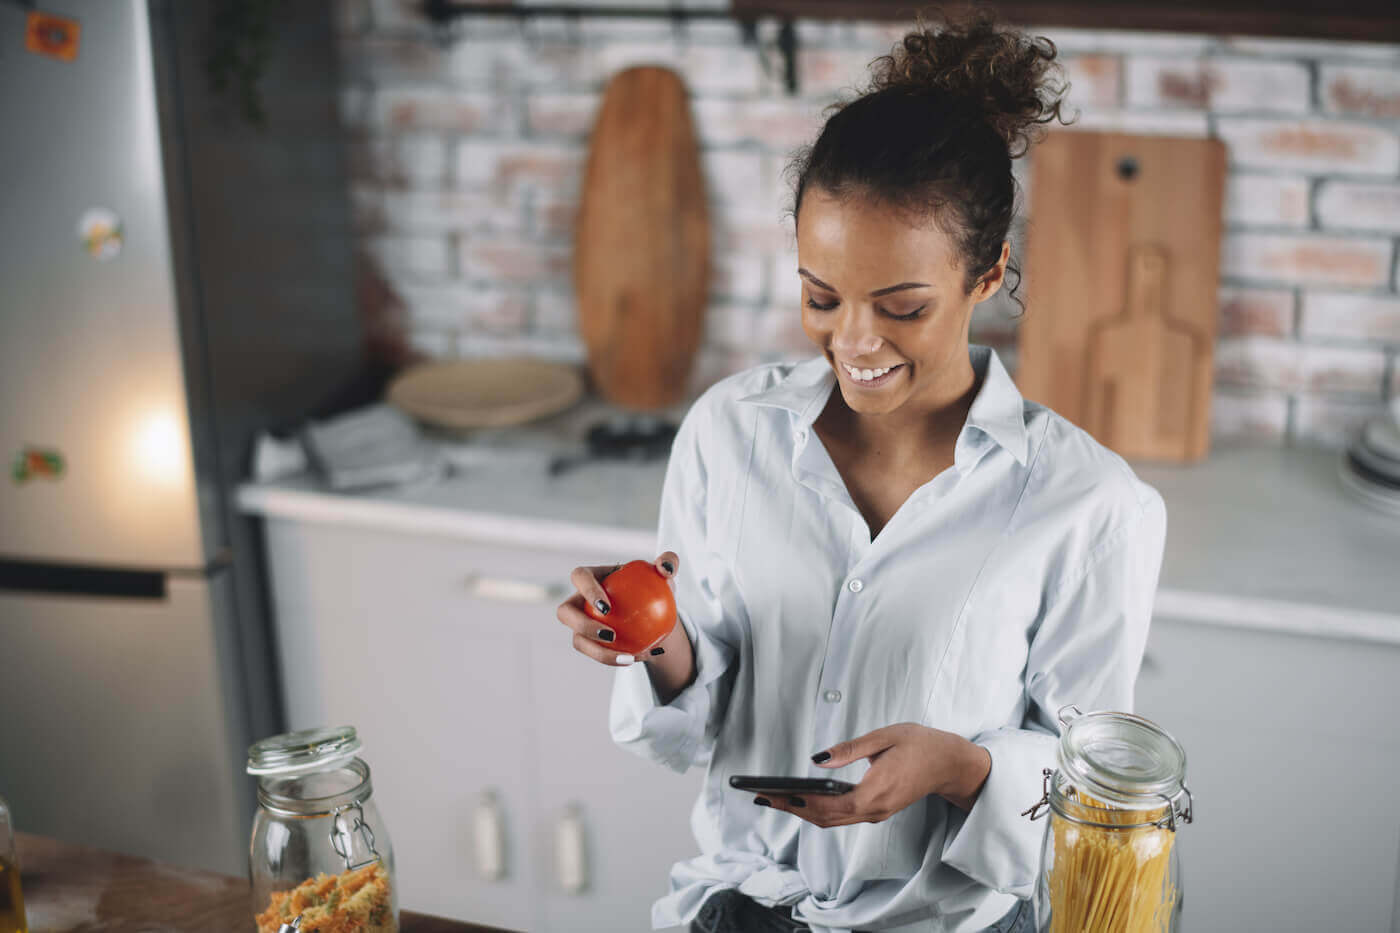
(674, 670)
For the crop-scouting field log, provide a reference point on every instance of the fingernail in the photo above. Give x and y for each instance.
(602, 607)
(819, 757)
(666, 566)
(763, 801)
(625, 659)
(605, 635)
(657, 650)
(797, 801)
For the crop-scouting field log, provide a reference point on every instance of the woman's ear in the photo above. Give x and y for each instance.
(991, 282)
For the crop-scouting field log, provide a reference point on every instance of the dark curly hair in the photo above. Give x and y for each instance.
(934, 133)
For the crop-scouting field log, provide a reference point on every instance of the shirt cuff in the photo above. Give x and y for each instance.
(670, 733)
(996, 845)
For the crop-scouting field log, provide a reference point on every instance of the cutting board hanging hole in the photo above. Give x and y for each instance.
(1127, 168)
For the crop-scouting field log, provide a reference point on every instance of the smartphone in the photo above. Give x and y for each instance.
(784, 786)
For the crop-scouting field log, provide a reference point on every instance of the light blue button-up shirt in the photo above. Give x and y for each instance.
(1016, 582)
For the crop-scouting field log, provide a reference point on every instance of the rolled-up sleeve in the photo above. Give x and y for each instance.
(681, 733)
(1085, 650)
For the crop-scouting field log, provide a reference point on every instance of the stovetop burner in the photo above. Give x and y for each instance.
(638, 438)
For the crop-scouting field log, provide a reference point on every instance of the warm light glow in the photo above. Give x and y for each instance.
(158, 448)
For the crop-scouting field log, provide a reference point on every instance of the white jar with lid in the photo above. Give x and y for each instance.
(1109, 863)
(319, 847)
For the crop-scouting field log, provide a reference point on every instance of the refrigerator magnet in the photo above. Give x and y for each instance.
(54, 36)
(101, 233)
(36, 463)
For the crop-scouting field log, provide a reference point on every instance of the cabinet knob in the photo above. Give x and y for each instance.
(570, 856)
(488, 826)
(507, 590)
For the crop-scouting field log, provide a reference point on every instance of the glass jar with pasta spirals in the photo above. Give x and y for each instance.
(1109, 862)
(320, 858)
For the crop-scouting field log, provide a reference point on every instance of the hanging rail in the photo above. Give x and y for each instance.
(443, 12)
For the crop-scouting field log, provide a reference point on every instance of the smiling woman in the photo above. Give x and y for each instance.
(890, 568)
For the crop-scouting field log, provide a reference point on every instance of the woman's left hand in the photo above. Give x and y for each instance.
(907, 761)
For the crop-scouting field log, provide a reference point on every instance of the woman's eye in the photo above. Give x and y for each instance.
(898, 317)
(910, 316)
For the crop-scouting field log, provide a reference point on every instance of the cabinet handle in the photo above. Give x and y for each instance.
(506, 590)
(570, 858)
(489, 830)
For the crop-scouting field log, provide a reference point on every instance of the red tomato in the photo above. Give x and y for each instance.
(643, 609)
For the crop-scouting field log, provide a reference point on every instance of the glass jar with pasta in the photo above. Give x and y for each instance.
(320, 858)
(1109, 862)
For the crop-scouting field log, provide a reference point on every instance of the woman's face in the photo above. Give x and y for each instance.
(879, 294)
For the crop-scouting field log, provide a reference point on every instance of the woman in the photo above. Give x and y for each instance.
(890, 568)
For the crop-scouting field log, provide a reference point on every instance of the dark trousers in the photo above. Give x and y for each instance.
(728, 911)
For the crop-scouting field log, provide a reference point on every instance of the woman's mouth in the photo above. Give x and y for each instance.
(870, 378)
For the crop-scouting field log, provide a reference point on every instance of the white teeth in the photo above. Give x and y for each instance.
(865, 375)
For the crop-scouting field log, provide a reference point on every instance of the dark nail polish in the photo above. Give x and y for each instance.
(667, 566)
(605, 635)
(819, 757)
(797, 802)
(657, 650)
(602, 607)
(762, 801)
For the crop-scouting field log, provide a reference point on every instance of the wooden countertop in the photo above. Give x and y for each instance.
(69, 888)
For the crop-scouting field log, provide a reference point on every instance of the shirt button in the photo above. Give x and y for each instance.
(855, 586)
(800, 436)
(832, 696)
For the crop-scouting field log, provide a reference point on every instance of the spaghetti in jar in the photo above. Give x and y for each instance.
(1109, 861)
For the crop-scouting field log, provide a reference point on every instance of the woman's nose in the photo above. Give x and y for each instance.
(854, 338)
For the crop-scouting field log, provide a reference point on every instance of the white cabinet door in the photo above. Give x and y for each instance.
(381, 631)
(448, 658)
(1292, 753)
(636, 814)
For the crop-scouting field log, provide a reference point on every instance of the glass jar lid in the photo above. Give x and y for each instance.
(1121, 757)
(303, 752)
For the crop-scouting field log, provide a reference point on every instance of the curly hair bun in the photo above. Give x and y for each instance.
(1009, 78)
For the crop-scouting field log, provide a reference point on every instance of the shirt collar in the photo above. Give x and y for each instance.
(802, 391)
(998, 411)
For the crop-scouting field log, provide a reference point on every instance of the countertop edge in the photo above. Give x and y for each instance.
(1293, 618)
(410, 518)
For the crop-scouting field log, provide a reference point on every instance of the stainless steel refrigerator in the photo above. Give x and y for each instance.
(172, 280)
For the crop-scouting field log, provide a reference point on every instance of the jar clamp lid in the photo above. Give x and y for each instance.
(1119, 756)
(303, 752)
(1127, 761)
(315, 772)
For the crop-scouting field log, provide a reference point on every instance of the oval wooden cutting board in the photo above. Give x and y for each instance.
(642, 242)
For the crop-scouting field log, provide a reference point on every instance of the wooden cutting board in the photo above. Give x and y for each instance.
(1122, 277)
(642, 248)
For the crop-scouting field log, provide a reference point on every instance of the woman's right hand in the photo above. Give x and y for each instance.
(591, 638)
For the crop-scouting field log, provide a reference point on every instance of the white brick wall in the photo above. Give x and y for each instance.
(1267, 200)
(1318, 147)
(1359, 206)
(466, 159)
(1220, 85)
(1373, 319)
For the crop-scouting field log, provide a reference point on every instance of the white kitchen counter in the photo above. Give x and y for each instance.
(1257, 537)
